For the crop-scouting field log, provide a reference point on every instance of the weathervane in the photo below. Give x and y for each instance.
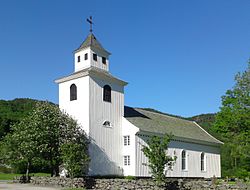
(89, 20)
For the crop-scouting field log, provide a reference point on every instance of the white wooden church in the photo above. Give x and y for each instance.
(95, 98)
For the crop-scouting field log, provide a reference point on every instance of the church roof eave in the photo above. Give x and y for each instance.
(181, 139)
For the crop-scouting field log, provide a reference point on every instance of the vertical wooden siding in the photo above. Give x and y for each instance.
(106, 143)
(193, 150)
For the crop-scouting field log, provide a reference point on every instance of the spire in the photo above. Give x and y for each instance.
(91, 40)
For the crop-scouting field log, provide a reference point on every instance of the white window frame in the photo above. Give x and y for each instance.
(126, 140)
(126, 160)
(186, 157)
(204, 162)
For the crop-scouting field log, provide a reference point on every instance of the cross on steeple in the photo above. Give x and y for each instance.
(89, 20)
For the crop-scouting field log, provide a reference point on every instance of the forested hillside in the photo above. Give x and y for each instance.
(13, 111)
(204, 120)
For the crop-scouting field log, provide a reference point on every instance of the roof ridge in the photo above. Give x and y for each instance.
(164, 115)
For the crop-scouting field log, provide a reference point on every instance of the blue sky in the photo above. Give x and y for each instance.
(178, 56)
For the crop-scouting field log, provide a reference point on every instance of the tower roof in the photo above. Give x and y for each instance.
(91, 42)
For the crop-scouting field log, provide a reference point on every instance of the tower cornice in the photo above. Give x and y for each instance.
(92, 71)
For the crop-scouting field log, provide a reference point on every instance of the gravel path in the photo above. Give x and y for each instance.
(17, 186)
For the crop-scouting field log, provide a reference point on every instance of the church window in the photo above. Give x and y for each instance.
(126, 160)
(94, 57)
(73, 92)
(126, 140)
(202, 161)
(107, 93)
(104, 60)
(183, 160)
(78, 58)
(106, 124)
(86, 56)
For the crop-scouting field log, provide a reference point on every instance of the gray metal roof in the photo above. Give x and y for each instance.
(92, 42)
(152, 122)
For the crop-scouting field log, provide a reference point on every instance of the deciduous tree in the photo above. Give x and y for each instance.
(158, 160)
(46, 134)
(233, 124)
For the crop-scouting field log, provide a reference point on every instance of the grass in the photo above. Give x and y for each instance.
(8, 176)
(12, 175)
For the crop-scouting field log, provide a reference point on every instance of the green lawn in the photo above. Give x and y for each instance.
(11, 176)
(8, 176)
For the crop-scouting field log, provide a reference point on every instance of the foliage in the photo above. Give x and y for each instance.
(40, 138)
(129, 177)
(21, 145)
(158, 160)
(13, 111)
(233, 124)
(5, 169)
(74, 150)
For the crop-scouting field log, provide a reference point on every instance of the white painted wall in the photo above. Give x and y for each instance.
(128, 129)
(78, 109)
(193, 150)
(106, 146)
(83, 64)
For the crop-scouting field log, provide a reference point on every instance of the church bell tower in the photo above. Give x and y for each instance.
(91, 53)
(95, 98)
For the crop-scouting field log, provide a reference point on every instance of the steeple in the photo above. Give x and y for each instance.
(93, 43)
(91, 53)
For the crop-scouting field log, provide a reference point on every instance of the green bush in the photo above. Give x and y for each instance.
(5, 170)
(130, 177)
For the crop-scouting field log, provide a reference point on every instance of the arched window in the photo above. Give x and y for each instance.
(107, 93)
(183, 160)
(202, 161)
(106, 124)
(73, 92)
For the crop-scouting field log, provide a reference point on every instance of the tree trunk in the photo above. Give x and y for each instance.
(235, 162)
(27, 171)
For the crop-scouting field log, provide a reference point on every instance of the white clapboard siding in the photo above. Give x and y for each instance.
(83, 64)
(106, 146)
(193, 150)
